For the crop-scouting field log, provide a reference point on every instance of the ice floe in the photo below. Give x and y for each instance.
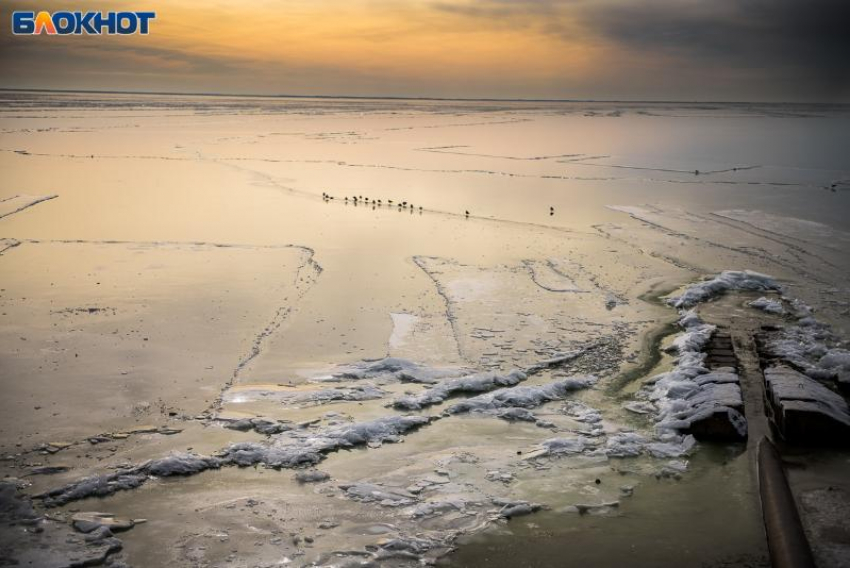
(837, 361)
(28, 538)
(510, 508)
(299, 448)
(478, 383)
(624, 445)
(811, 347)
(265, 426)
(436, 508)
(311, 476)
(585, 414)
(300, 396)
(130, 478)
(521, 396)
(691, 399)
(391, 369)
(767, 305)
(410, 548)
(292, 449)
(562, 446)
(695, 337)
(559, 359)
(723, 282)
(374, 493)
(591, 509)
(499, 476)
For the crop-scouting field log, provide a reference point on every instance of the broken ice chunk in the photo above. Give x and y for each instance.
(374, 493)
(768, 306)
(522, 396)
(477, 383)
(727, 280)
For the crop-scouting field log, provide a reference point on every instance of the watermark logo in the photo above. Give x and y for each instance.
(80, 23)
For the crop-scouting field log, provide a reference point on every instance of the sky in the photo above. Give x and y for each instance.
(707, 50)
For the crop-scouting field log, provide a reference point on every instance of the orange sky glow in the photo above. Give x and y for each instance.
(601, 49)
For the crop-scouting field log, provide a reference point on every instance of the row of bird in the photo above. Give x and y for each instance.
(377, 202)
(357, 199)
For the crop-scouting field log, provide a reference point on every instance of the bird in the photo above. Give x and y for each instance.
(390, 201)
(420, 208)
(551, 210)
(467, 213)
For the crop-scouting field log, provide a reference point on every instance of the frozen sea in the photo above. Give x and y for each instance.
(268, 283)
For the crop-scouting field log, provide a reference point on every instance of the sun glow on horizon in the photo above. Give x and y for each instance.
(486, 48)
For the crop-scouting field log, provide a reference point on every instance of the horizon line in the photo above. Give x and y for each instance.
(408, 98)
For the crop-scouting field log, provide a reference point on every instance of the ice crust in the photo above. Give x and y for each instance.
(265, 426)
(558, 360)
(478, 383)
(28, 538)
(624, 445)
(392, 369)
(618, 445)
(807, 345)
(311, 476)
(436, 508)
(298, 448)
(515, 508)
(674, 399)
(308, 448)
(767, 305)
(837, 361)
(416, 546)
(727, 280)
(521, 397)
(690, 393)
(561, 446)
(354, 394)
(104, 485)
(291, 450)
(374, 493)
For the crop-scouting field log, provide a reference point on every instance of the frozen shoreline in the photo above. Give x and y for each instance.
(405, 378)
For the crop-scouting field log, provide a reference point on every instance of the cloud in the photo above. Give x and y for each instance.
(499, 8)
(626, 49)
(768, 48)
(781, 40)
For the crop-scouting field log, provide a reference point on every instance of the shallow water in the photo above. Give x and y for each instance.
(189, 267)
